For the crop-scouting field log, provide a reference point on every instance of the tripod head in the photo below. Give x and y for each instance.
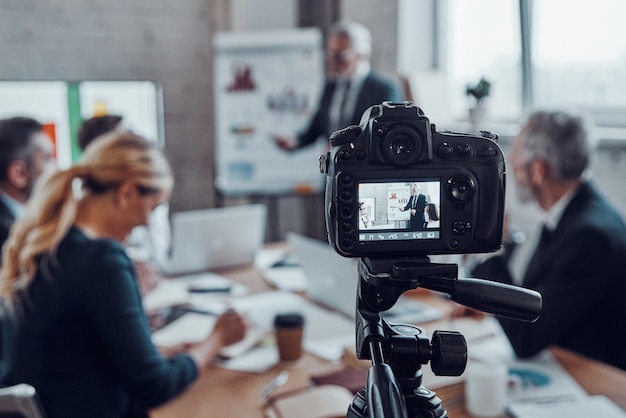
(397, 351)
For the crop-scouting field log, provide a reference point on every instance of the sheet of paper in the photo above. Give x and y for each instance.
(252, 338)
(326, 333)
(542, 377)
(256, 360)
(315, 402)
(193, 328)
(189, 328)
(286, 278)
(267, 257)
(176, 291)
(589, 406)
(168, 293)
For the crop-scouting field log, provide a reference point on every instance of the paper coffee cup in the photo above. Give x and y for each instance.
(485, 389)
(289, 330)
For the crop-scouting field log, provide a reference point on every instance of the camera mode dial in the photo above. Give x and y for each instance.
(345, 135)
(489, 135)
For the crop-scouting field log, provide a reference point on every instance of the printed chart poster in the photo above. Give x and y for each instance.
(267, 83)
(398, 196)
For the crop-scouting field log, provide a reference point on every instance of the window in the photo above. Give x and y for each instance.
(579, 57)
(577, 53)
(483, 40)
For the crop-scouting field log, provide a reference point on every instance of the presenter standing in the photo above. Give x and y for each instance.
(351, 86)
(416, 207)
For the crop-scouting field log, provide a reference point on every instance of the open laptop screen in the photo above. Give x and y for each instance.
(215, 238)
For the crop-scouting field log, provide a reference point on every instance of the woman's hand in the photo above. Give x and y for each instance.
(230, 327)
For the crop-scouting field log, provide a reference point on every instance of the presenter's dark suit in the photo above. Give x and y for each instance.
(417, 220)
(82, 338)
(374, 90)
(579, 270)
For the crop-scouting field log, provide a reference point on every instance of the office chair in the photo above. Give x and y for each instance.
(20, 401)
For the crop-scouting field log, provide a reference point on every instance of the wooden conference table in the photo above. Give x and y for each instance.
(226, 393)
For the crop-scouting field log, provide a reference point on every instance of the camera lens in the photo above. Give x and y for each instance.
(402, 145)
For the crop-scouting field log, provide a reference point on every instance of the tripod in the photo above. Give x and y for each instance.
(397, 351)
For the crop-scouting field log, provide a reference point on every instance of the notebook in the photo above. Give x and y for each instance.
(215, 238)
(332, 282)
(588, 406)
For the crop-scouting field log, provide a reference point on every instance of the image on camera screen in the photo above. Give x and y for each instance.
(407, 210)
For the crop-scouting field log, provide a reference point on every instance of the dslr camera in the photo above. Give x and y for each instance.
(396, 187)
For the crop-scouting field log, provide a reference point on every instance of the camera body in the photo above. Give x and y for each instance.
(396, 187)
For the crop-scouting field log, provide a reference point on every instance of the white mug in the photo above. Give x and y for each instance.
(486, 388)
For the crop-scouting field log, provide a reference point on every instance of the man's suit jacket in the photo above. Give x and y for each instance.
(579, 271)
(374, 90)
(6, 221)
(417, 221)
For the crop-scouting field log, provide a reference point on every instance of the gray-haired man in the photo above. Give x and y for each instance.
(578, 263)
(351, 86)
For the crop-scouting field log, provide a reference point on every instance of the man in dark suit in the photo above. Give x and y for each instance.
(578, 264)
(351, 86)
(416, 205)
(26, 153)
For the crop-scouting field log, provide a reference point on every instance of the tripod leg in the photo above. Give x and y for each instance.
(358, 405)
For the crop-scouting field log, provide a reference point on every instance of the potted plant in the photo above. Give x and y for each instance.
(478, 92)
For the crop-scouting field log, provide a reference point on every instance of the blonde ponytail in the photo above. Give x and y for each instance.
(48, 217)
(51, 210)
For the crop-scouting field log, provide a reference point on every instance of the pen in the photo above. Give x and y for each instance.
(224, 289)
(549, 399)
(275, 383)
(286, 262)
(199, 311)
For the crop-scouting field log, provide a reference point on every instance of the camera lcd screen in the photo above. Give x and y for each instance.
(407, 210)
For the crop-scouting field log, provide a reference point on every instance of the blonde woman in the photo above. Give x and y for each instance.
(73, 322)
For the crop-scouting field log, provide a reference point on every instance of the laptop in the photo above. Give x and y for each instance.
(210, 239)
(332, 282)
